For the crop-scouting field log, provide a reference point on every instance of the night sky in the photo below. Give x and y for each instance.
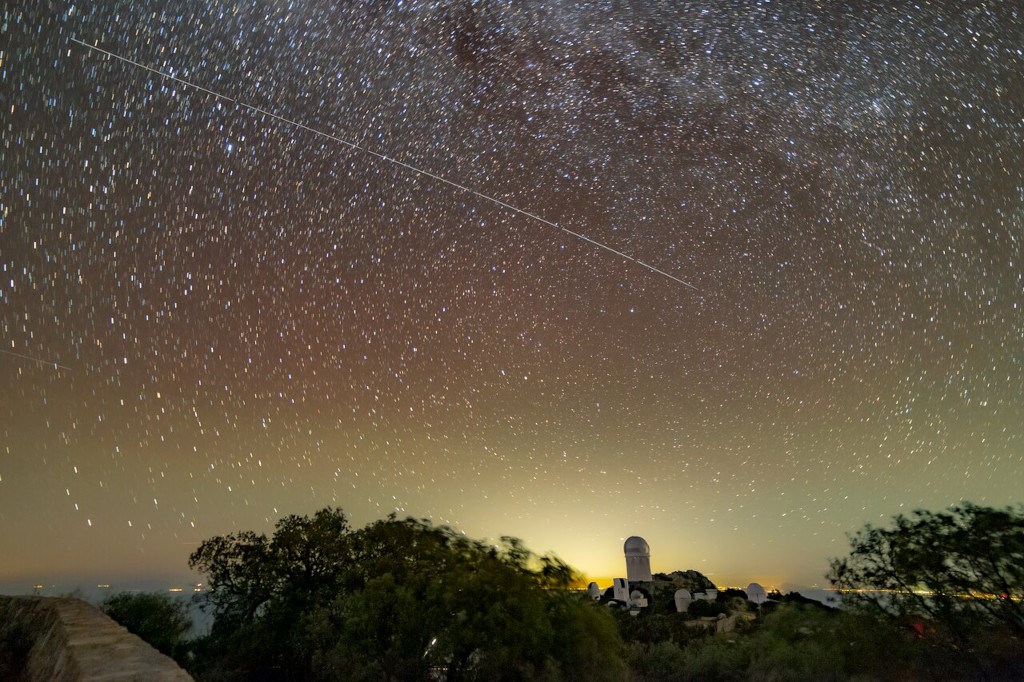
(236, 319)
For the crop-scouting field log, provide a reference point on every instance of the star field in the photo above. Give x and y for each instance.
(252, 320)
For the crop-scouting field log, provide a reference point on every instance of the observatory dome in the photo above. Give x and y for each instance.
(636, 546)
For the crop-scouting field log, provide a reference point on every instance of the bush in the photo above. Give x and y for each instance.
(701, 608)
(953, 579)
(158, 619)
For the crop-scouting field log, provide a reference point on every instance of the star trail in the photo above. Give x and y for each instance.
(212, 315)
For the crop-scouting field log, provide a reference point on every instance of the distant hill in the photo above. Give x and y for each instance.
(663, 588)
(691, 580)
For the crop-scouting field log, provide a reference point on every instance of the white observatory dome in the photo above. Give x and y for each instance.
(636, 546)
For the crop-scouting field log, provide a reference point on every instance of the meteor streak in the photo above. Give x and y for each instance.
(29, 357)
(384, 157)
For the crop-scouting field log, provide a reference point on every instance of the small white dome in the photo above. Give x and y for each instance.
(636, 546)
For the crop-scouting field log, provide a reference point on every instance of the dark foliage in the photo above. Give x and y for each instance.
(157, 618)
(954, 579)
(396, 600)
(731, 593)
(700, 608)
(936, 597)
(405, 600)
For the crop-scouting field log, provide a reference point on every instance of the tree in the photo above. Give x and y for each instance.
(396, 600)
(246, 571)
(424, 601)
(956, 576)
(262, 591)
(158, 619)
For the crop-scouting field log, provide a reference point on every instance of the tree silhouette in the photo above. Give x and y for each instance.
(956, 576)
(396, 600)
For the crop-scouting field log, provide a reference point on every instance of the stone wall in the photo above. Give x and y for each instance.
(62, 639)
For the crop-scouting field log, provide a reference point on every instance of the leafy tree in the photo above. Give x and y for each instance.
(396, 600)
(956, 576)
(239, 571)
(157, 618)
(425, 600)
(246, 571)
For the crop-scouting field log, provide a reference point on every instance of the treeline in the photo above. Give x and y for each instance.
(933, 596)
(396, 600)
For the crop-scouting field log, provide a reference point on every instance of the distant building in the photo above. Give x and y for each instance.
(756, 594)
(638, 559)
(683, 599)
(620, 590)
(638, 600)
(640, 589)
